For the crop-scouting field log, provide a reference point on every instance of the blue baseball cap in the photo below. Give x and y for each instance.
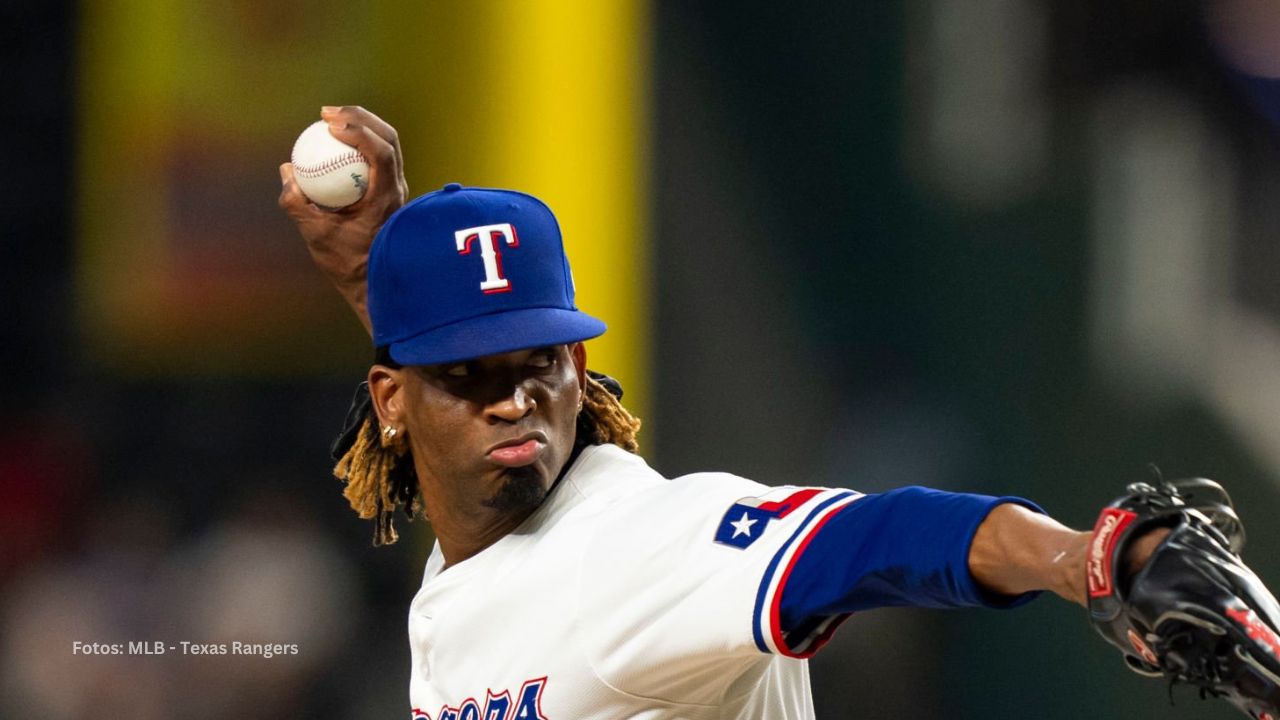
(461, 273)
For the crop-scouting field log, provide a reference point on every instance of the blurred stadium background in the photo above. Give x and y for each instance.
(1010, 246)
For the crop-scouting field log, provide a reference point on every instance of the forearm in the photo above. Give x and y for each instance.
(352, 285)
(1016, 550)
(339, 242)
(356, 299)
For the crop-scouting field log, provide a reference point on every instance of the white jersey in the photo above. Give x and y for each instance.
(625, 595)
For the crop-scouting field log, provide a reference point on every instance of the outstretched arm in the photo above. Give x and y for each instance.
(927, 548)
(339, 240)
(1016, 550)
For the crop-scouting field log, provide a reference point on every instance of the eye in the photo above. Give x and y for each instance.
(458, 370)
(543, 358)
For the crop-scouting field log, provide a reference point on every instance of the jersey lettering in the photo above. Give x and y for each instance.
(496, 707)
(529, 702)
(489, 238)
(469, 710)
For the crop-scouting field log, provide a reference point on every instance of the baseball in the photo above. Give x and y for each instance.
(331, 173)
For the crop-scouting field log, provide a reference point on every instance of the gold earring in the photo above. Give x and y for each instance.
(394, 439)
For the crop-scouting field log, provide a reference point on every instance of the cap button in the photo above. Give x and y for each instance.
(453, 187)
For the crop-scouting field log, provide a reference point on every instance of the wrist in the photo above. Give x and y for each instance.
(347, 272)
(1070, 561)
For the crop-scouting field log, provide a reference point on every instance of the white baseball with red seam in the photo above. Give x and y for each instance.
(331, 173)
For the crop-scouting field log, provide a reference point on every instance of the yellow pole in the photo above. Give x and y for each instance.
(550, 98)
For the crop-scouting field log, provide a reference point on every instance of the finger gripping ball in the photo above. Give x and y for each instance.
(331, 173)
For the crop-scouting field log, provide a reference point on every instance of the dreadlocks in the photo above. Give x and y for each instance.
(378, 469)
(380, 476)
(603, 418)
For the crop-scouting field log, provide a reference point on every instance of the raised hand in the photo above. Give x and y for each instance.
(339, 240)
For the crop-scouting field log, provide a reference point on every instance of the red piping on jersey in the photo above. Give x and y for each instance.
(786, 505)
(775, 613)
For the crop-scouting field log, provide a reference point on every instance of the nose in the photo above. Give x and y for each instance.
(512, 408)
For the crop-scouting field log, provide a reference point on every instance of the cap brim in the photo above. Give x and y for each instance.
(495, 334)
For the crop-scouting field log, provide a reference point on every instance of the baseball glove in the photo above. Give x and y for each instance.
(1194, 613)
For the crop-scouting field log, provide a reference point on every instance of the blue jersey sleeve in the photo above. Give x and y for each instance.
(907, 547)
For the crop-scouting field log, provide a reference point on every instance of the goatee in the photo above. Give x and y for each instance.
(523, 491)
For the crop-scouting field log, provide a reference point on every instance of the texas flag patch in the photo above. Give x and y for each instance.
(746, 519)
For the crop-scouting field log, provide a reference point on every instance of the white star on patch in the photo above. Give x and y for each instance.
(743, 526)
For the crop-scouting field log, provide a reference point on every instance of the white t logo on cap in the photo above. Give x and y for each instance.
(488, 237)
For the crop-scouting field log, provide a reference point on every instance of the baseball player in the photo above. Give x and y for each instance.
(571, 580)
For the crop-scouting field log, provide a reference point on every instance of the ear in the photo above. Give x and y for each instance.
(385, 389)
(579, 352)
